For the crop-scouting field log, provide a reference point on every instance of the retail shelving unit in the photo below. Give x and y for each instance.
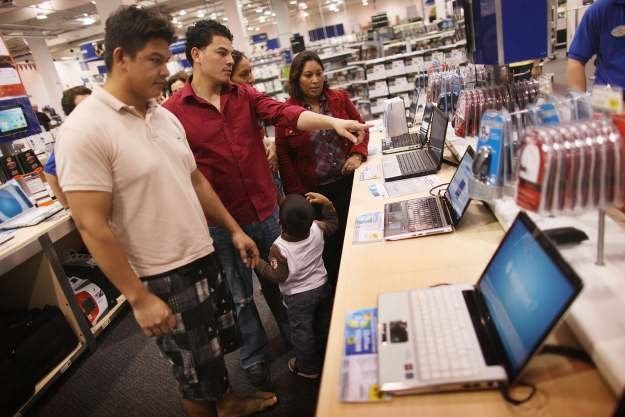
(31, 276)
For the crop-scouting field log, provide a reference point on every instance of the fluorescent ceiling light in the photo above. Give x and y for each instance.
(41, 16)
(259, 10)
(89, 20)
(182, 12)
(200, 13)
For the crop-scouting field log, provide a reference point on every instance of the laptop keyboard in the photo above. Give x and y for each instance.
(411, 162)
(424, 214)
(446, 344)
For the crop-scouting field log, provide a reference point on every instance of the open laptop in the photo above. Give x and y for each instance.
(16, 209)
(432, 214)
(455, 337)
(424, 161)
(410, 141)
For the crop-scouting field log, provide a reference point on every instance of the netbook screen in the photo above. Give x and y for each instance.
(458, 190)
(438, 131)
(525, 292)
(13, 201)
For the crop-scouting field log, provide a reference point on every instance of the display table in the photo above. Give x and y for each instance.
(31, 276)
(565, 387)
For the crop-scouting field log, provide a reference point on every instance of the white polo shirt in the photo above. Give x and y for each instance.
(146, 164)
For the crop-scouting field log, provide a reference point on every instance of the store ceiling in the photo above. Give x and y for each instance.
(67, 23)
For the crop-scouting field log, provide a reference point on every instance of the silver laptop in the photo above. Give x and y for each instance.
(432, 214)
(410, 141)
(422, 161)
(457, 337)
(16, 209)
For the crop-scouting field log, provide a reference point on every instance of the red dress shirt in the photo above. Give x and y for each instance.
(296, 154)
(227, 146)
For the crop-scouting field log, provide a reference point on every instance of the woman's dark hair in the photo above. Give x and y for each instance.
(237, 56)
(297, 67)
(296, 215)
(130, 28)
(179, 76)
(69, 95)
(200, 35)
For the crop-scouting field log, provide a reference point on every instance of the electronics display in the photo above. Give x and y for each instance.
(12, 120)
(575, 166)
(526, 299)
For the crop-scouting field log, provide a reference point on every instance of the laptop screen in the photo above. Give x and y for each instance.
(12, 119)
(13, 201)
(425, 120)
(438, 131)
(458, 190)
(527, 287)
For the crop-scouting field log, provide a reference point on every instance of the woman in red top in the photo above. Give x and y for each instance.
(320, 161)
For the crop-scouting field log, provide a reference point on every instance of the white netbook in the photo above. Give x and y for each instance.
(458, 337)
(17, 210)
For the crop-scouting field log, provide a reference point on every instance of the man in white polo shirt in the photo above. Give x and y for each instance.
(140, 205)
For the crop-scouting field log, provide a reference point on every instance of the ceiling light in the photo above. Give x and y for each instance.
(214, 16)
(92, 1)
(259, 10)
(182, 12)
(262, 19)
(200, 13)
(41, 16)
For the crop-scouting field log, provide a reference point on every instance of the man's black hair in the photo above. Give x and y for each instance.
(130, 28)
(69, 95)
(200, 35)
(296, 216)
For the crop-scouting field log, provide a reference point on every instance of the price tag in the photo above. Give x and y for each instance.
(608, 99)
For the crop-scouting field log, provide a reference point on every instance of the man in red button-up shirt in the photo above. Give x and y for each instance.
(221, 120)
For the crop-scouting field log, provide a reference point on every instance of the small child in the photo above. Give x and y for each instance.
(296, 263)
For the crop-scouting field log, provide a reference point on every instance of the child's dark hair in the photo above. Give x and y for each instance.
(130, 28)
(296, 216)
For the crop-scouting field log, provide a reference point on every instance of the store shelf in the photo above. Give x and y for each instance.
(408, 54)
(350, 67)
(350, 83)
(272, 77)
(337, 55)
(378, 95)
(51, 377)
(403, 89)
(105, 321)
(26, 243)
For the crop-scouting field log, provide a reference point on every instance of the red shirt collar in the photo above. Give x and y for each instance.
(187, 90)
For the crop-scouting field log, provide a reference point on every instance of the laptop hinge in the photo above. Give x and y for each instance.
(491, 355)
(447, 211)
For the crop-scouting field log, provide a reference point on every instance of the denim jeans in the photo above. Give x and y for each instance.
(309, 316)
(255, 345)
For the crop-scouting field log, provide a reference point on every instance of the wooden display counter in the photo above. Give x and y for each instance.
(565, 387)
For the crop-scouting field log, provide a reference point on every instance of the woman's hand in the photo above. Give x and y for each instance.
(351, 164)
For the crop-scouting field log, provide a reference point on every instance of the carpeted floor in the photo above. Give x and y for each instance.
(127, 377)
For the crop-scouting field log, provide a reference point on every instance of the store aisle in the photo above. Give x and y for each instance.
(127, 377)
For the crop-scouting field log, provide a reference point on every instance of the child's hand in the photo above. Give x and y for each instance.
(316, 198)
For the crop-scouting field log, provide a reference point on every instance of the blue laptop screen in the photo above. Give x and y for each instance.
(13, 201)
(525, 292)
(458, 189)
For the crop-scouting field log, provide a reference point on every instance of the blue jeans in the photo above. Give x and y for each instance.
(255, 345)
(309, 315)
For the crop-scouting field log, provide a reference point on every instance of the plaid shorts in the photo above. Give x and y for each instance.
(206, 326)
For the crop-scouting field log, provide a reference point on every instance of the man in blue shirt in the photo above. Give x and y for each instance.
(602, 33)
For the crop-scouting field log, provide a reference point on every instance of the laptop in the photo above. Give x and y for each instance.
(458, 337)
(16, 209)
(432, 214)
(410, 141)
(422, 161)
